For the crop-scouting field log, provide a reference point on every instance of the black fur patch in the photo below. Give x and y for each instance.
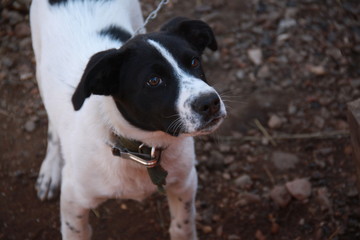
(124, 75)
(73, 229)
(116, 33)
(63, 2)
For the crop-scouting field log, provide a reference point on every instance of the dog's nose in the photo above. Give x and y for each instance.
(207, 105)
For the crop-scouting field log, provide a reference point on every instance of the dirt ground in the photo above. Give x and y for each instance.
(286, 69)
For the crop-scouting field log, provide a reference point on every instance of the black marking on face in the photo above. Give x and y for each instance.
(72, 228)
(124, 75)
(147, 106)
(180, 199)
(64, 2)
(115, 33)
(186, 221)
(179, 225)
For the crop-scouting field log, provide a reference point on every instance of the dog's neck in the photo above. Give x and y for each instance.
(149, 157)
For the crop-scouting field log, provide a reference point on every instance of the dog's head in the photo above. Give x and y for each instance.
(157, 80)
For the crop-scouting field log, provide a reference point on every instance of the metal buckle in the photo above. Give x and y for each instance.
(154, 157)
(152, 162)
(146, 163)
(154, 154)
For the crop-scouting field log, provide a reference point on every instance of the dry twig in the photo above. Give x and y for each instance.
(315, 135)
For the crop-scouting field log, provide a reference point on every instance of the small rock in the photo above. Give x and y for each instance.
(224, 148)
(240, 74)
(353, 192)
(355, 83)
(280, 195)
(259, 235)
(206, 229)
(255, 55)
(226, 176)
(319, 122)
(203, 8)
(234, 237)
(285, 24)
(214, 162)
(22, 29)
(264, 72)
(30, 126)
(348, 150)
(317, 70)
(291, 12)
(299, 188)
(342, 125)
(323, 198)
(244, 181)
(219, 231)
(292, 109)
(275, 121)
(284, 161)
(275, 228)
(282, 37)
(247, 198)
(123, 206)
(325, 151)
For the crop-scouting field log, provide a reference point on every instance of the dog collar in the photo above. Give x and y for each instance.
(142, 154)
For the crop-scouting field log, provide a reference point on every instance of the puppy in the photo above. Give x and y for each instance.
(122, 109)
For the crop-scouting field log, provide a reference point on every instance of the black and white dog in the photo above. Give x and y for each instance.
(114, 101)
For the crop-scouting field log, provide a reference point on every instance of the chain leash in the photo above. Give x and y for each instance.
(151, 16)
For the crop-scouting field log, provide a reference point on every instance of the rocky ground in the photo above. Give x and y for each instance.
(280, 168)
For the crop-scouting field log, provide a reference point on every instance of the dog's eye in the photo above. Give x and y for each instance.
(195, 62)
(154, 81)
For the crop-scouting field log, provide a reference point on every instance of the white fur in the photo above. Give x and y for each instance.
(64, 38)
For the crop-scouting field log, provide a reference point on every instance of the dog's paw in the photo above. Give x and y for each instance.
(49, 179)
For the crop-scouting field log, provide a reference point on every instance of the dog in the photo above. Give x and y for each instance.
(122, 109)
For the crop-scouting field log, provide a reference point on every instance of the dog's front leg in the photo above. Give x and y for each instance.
(74, 215)
(181, 198)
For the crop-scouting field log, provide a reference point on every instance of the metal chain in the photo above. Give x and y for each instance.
(151, 16)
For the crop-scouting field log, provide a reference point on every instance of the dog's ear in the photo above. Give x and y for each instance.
(196, 32)
(99, 77)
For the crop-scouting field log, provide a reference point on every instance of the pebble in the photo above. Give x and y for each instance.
(244, 181)
(215, 161)
(323, 198)
(206, 229)
(247, 198)
(285, 24)
(292, 109)
(264, 72)
(280, 195)
(259, 235)
(284, 161)
(275, 121)
(240, 74)
(355, 83)
(319, 122)
(317, 70)
(234, 237)
(299, 188)
(22, 30)
(282, 37)
(255, 55)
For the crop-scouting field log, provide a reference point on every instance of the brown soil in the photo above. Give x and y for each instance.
(308, 72)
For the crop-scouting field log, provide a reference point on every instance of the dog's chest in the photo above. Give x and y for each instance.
(134, 183)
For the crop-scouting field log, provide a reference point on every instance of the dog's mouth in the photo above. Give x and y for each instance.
(210, 126)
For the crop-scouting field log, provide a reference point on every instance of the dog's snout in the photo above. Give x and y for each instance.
(207, 105)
